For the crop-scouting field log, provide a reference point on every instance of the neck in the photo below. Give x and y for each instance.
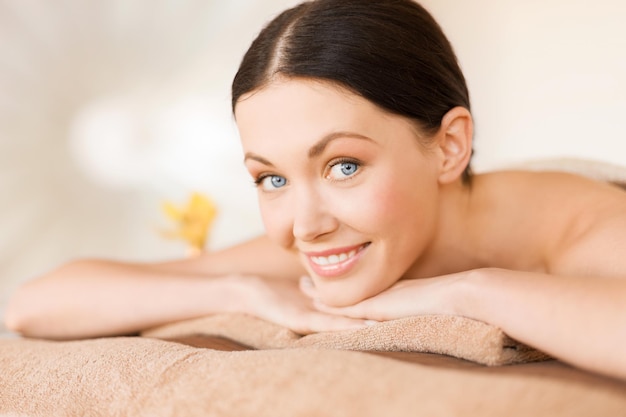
(454, 247)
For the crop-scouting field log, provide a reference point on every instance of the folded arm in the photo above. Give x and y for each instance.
(573, 319)
(91, 298)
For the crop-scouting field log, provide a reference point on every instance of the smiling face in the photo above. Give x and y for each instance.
(343, 183)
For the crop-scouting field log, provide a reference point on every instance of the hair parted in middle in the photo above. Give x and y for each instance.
(391, 52)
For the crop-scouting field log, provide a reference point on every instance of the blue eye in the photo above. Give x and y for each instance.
(348, 168)
(277, 181)
(343, 169)
(271, 182)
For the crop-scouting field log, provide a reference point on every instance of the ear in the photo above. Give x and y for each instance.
(455, 143)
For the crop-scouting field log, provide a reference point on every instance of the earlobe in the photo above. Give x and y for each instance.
(455, 143)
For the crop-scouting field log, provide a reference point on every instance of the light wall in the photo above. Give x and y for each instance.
(547, 78)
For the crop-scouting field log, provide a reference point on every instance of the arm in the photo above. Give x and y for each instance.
(579, 320)
(96, 298)
(577, 313)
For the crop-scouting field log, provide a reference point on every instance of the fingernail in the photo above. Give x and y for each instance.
(370, 322)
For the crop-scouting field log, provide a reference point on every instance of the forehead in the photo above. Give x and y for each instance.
(299, 97)
(310, 109)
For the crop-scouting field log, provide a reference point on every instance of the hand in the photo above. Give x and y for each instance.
(282, 302)
(403, 299)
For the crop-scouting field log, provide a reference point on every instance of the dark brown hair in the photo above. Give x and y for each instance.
(391, 52)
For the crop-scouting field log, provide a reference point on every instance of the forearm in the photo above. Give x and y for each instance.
(98, 298)
(579, 320)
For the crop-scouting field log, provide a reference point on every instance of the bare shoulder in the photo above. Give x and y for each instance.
(579, 223)
(590, 224)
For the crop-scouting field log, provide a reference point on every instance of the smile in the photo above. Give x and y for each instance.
(335, 262)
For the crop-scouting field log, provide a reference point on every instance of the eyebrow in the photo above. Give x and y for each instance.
(316, 149)
(255, 157)
(319, 147)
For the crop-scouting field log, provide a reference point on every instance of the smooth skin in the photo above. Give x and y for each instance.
(374, 217)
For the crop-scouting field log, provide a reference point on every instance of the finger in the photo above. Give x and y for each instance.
(356, 311)
(321, 322)
(360, 311)
(307, 287)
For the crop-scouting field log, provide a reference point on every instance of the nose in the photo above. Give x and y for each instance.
(311, 216)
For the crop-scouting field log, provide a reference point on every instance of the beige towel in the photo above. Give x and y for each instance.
(146, 377)
(450, 335)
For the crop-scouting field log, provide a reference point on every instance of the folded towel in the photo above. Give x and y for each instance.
(449, 335)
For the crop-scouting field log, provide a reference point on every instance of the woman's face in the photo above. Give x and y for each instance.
(341, 182)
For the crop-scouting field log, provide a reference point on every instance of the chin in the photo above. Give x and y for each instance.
(342, 297)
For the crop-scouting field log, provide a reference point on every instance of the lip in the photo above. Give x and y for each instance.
(338, 268)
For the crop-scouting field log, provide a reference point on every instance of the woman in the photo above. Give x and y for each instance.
(355, 122)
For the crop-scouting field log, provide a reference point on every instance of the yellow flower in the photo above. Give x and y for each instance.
(192, 221)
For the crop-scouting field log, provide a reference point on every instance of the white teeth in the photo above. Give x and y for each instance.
(320, 260)
(333, 259)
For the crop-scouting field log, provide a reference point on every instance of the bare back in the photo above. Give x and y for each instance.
(552, 222)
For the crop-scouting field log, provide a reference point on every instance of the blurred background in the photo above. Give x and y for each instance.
(108, 108)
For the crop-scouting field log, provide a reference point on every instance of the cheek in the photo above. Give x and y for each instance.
(384, 205)
(276, 221)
